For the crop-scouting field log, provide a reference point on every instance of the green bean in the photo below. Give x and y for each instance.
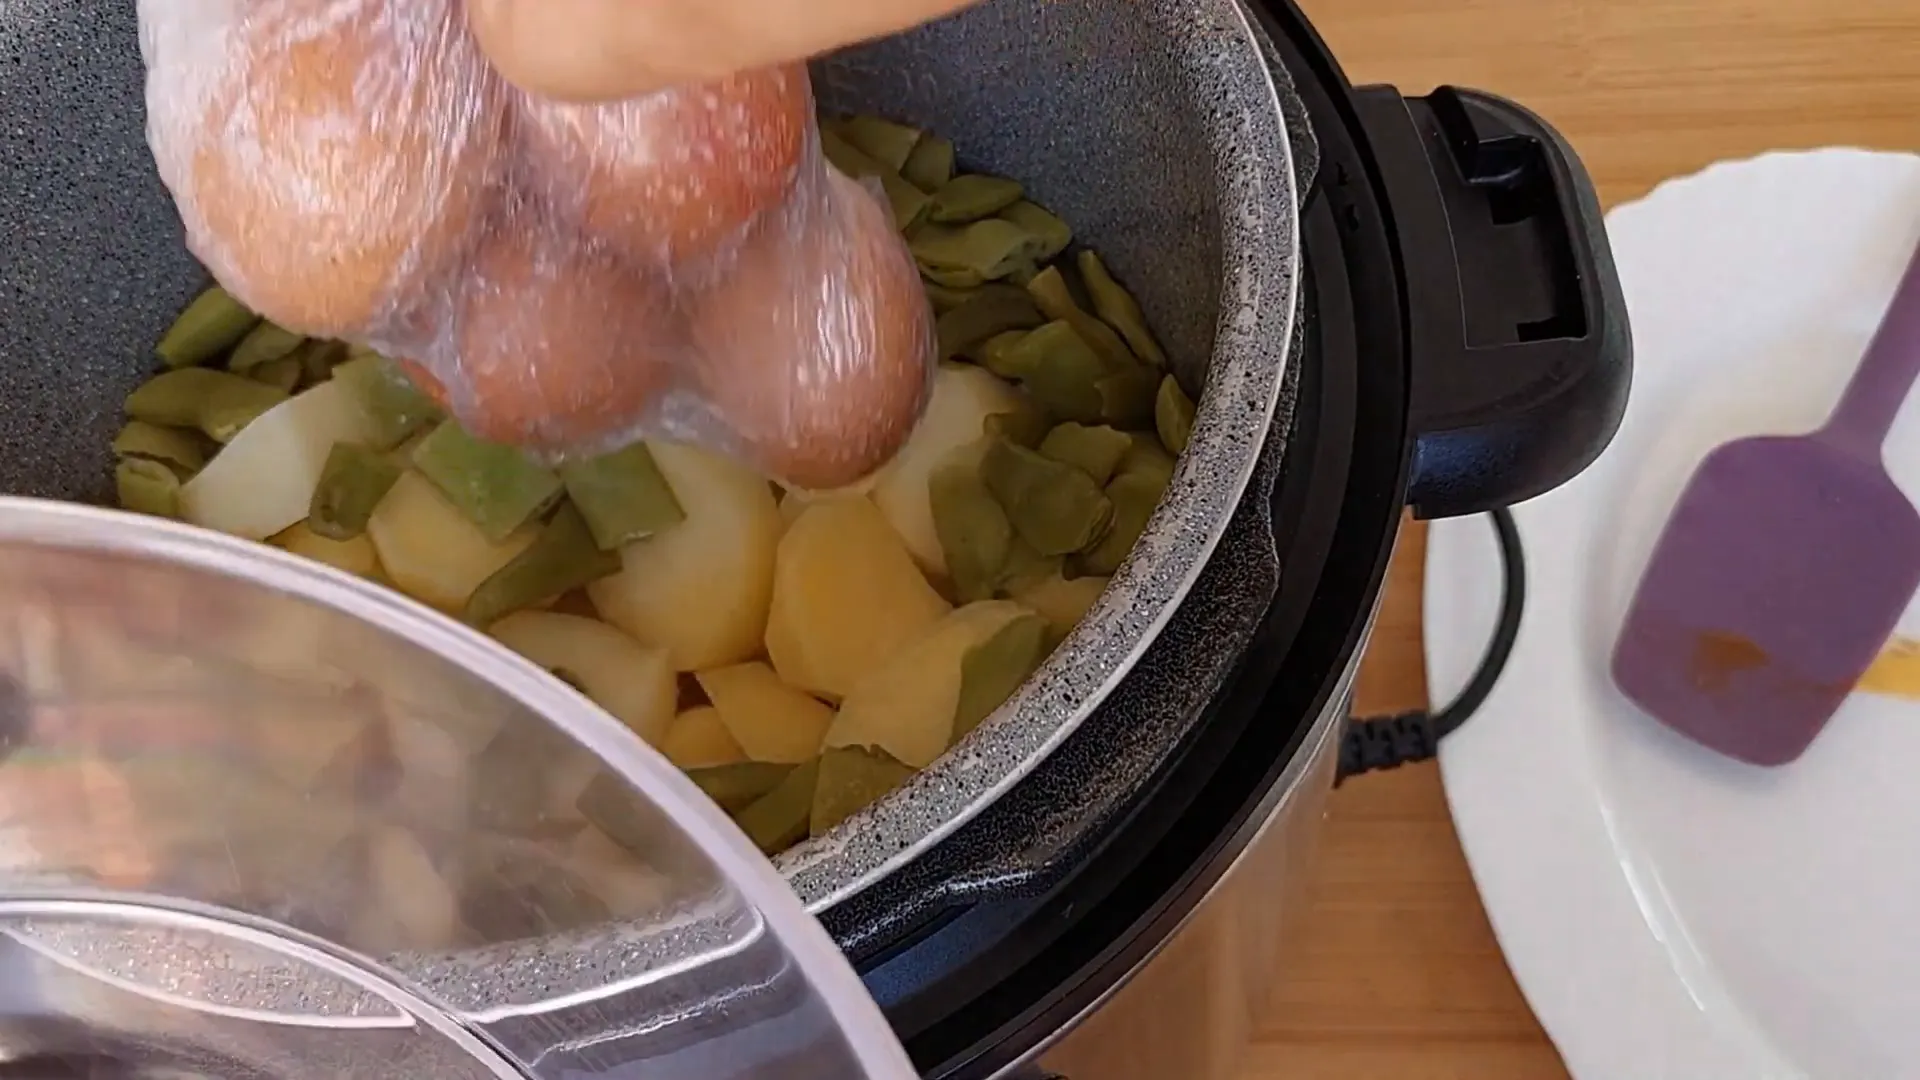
(1135, 496)
(974, 533)
(990, 310)
(1024, 426)
(930, 165)
(1001, 355)
(853, 778)
(180, 449)
(614, 808)
(265, 342)
(1051, 292)
(884, 141)
(1096, 451)
(1060, 369)
(561, 559)
(352, 482)
(778, 820)
(1026, 567)
(1126, 396)
(965, 255)
(496, 487)
(737, 786)
(992, 670)
(212, 324)
(146, 486)
(1051, 234)
(1055, 507)
(1147, 455)
(219, 403)
(945, 298)
(283, 374)
(908, 203)
(622, 496)
(318, 358)
(969, 198)
(1173, 413)
(396, 409)
(1114, 304)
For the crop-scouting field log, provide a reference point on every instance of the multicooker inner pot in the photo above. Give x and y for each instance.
(1396, 302)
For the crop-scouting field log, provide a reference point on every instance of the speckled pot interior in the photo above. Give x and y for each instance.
(1154, 126)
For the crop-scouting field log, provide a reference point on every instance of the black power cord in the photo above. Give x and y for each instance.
(1377, 743)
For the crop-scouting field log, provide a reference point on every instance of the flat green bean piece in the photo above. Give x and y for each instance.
(987, 250)
(180, 449)
(945, 298)
(1000, 354)
(219, 403)
(1096, 451)
(1023, 426)
(992, 670)
(318, 358)
(561, 559)
(778, 820)
(955, 278)
(930, 165)
(212, 324)
(1051, 292)
(972, 197)
(1055, 507)
(908, 203)
(396, 408)
(146, 486)
(1126, 396)
(1114, 304)
(1173, 413)
(1134, 495)
(1061, 371)
(622, 496)
(1026, 567)
(992, 309)
(352, 483)
(282, 374)
(736, 787)
(1051, 234)
(974, 533)
(611, 806)
(884, 141)
(265, 342)
(853, 778)
(496, 487)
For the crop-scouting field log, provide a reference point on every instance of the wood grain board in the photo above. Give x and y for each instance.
(1399, 976)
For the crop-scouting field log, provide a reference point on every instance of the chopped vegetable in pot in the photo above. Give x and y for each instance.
(798, 655)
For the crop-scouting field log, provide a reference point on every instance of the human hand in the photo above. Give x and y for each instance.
(591, 50)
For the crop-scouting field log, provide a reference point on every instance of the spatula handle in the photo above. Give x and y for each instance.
(1886, 375)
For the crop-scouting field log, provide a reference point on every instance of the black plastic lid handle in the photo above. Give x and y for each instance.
(1519, 343)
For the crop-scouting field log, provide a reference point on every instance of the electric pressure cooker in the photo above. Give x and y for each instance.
(1394, 303)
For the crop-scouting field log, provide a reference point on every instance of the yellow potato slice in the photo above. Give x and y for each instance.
(698, 739)
(263, 481)
(635, 683)
(907, 707)
(355, 556)
(700, 589)
(430, 551)
(770, 720)
(963, 397)
(846, 596)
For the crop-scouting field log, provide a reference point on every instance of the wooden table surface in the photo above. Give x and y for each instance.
(1398, 976)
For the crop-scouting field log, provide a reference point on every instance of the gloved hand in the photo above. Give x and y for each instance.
(594, 50)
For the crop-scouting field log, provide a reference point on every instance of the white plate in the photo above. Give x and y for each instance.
(1667, 912)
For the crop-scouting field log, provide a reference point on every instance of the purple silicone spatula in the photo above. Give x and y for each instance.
(1783, 570)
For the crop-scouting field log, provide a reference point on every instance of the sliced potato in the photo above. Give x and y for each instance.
(846, 596)
(770, 720)
(963, 397)
(263, 481)
(429, 549)
(1061, 602)
(907, 707)
(700, 589)
(355, 556)
(698, 739)
(635, 683)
